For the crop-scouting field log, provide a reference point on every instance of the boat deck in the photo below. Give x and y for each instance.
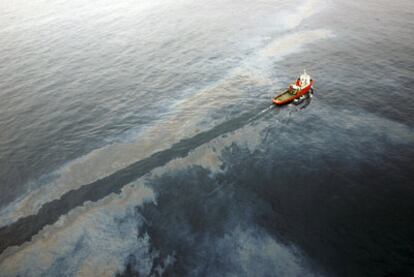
(285, 96)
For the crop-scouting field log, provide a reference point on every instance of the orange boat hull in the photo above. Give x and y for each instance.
(279, 101)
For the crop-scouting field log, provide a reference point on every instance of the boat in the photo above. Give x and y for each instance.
(297, 91)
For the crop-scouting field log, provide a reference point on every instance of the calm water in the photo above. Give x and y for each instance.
(137, 138)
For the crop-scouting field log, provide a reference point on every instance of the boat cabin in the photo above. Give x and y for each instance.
(304, 79)
(301, 82)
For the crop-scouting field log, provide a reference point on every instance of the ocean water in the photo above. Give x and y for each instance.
(137, 138)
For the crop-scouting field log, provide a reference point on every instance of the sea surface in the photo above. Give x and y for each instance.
(138, 138)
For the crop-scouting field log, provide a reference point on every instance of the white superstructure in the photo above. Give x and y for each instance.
(304, 79)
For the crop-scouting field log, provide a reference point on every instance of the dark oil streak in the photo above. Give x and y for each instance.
(23, 229)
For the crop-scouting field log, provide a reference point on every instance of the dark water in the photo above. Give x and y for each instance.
(137, 138)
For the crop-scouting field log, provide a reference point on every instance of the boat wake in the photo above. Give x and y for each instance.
(263, 111)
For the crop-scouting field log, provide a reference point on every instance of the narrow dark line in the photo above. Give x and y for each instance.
(23, 229)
